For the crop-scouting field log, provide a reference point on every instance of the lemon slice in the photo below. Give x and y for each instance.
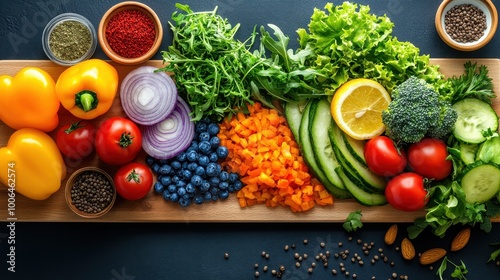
(357, 108)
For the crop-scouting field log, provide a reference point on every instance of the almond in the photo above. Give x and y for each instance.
(407, 249)
(460, 240)
(391, 234)
(432, 255)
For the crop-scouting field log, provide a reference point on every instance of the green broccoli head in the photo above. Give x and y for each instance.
(415, 112)
(447, 118)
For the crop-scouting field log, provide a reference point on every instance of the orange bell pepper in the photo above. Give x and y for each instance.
(28, 100)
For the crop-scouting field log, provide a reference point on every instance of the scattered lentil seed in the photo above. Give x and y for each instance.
(273, 272)
(359, 241)
(376, 257)
(347, 273)
(263, 253)
(366, 252)
(293, 246)
(373, 278)
(354, 275)
(256, 265)
(340, 244)
(325, 264)
(226, 256)
(431, 267)
(310, 270)
(361, 263)
(313, 264)
(372, 261)
(265, 268)
(391, 263)
(267, 256)
(257, 274)
(297, 264)
(282, 268)
(342, 269)
(300, 258)
(386, 259)
(336, 255)
(350, 238)
(306, 241)
(322, 244)
(397, 249)
(394, 275)
(305, 256)
(334, 271)
(287, 247)
(296, 255)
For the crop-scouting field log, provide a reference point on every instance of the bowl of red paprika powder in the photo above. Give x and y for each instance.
(130, 33)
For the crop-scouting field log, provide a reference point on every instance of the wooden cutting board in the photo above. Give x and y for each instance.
(153, 208)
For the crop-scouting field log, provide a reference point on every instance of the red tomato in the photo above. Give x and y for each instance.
(383, 158)
(76, 140)
(406, 192)
(118, 141)
(133, 180)
(428, 158)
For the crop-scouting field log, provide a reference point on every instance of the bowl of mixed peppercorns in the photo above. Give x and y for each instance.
(90, 192)
(130, 33)
(466, 25)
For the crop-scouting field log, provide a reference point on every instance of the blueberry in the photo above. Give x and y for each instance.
(214, 191)
(222, 152)
(155, 168)
(181, 157)
(186, 196)
(185, 165)
(212, 169)
(159, 187)
(200, 171)
(207, 196)
(181, 191)
(201, 127)
(213, 157)
(172, 188)
(190, 188)
(231, 188)
(165, 180)
(233, 177)
(193, 146)
(223, 194)
(184, 202)
(238, 185)
(174, 197)
(192, 156)
(224, 176)
(186, 174)
(198, 199)
(163, 161)
(166, 195)
(176, 165)
(223, 185)
(203, 160)
(214, 142)
(205, 186)
(196, 180)
(214, 181)
(150, 160)
(192, 166)
(204, 136)
(213, 129)
(181, 184)
(205, 147)
(175, 179)
(206, 120)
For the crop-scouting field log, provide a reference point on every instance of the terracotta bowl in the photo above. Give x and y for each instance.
(129, 5)
(69, 186)
(488, 9)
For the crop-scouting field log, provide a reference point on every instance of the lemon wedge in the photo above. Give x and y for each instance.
(357, 108)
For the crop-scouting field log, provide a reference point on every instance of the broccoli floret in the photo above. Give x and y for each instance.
(447, 118)
(417, 111)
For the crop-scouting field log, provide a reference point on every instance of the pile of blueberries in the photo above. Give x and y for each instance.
(196, 175)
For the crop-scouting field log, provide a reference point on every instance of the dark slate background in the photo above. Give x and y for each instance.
(194, 250)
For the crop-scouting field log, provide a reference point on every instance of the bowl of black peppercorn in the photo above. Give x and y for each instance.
(90, 192)
(466, 25)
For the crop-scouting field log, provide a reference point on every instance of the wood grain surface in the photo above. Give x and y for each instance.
(153, 208)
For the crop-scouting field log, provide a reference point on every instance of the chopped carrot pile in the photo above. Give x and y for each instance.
(263, 152)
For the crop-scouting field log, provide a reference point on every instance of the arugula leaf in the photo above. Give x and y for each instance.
(459, 271)
(353, 221)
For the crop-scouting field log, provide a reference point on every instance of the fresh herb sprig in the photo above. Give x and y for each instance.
(473, 83)
(459, 271)
(353, 221)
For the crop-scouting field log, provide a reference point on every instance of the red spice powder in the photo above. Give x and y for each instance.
(130, 33)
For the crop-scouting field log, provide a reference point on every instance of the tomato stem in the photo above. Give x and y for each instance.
(134, 176)
(125, 139)
(74, 126)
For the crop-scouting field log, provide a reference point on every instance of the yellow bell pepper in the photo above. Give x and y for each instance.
(29, 100)
(32, 164)
(88, 89)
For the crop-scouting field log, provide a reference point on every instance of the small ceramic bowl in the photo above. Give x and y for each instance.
(111, 46)
(76, 178)
(68, 39)
(486, 6)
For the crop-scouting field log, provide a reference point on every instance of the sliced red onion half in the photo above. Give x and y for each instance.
(148, 97)
(171, 136)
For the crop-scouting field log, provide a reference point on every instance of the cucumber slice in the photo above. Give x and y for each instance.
(320, 119)
(355, 147)
(474, 116)
(369, 181)
(480, 181)
(468, 152)
(307, 152)
(361, 196)
(293, 115)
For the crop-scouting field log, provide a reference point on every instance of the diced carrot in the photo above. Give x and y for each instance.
(267, 158)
